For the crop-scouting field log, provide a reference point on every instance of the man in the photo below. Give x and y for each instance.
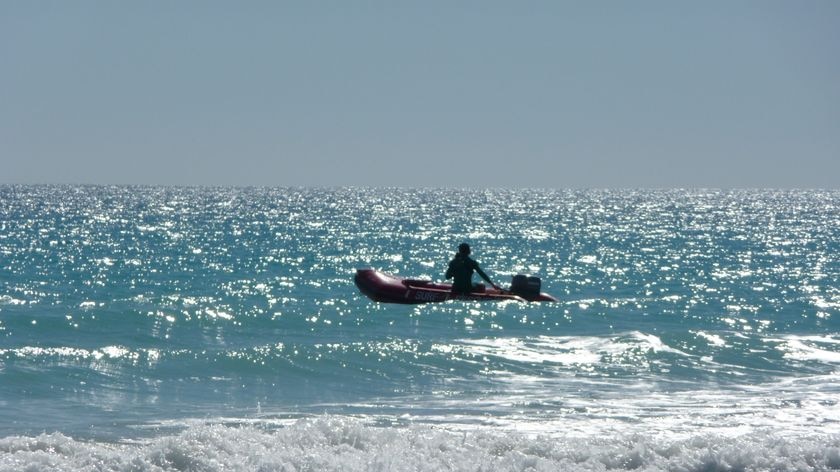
(461, 267)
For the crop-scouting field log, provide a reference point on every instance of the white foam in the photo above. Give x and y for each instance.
(560, 351)
(345, 444)
(713, 339)
(9, 300)
(564, 350)
(809, 348)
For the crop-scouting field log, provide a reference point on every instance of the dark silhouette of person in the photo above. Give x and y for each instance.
(461, 267)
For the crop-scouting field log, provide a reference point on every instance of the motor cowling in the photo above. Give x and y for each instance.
(525, 285)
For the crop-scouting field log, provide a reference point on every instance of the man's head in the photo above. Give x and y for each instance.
(464, 249)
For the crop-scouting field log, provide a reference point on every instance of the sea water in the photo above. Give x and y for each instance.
(146, 328)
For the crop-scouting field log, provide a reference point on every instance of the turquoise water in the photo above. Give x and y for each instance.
(219, 329)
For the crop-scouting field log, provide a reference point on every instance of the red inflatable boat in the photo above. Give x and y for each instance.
(390, 289)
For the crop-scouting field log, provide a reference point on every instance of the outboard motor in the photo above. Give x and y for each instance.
(525, 285)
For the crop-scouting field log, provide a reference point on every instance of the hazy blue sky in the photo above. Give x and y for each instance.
(558, 94)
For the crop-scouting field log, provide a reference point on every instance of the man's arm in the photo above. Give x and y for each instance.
(485, 277)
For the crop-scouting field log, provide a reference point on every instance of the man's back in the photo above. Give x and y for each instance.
(461, 268)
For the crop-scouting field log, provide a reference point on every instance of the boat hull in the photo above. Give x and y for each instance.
(387, 288)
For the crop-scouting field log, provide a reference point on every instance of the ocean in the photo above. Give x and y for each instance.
(210, 329)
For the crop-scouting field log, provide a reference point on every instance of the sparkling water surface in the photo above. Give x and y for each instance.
(147, 328)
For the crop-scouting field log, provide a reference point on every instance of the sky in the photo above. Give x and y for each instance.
(502, 94)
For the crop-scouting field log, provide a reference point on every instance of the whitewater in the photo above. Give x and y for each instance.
(167, 328)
